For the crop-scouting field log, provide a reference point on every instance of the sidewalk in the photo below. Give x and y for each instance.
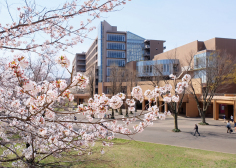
(213, 137)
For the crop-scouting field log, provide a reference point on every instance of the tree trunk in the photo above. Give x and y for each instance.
(126, 113)
(176, 117)
(203, 116)
(120, 111)
(112, 114)
(176, 120)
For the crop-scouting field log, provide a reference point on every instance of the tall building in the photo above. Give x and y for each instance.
(79, 64)
(113, 47)
(133, 51)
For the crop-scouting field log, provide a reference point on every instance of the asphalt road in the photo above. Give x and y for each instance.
(213, 137)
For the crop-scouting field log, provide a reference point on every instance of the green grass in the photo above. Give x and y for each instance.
(132, 154)
(176, 130)
(143, 154)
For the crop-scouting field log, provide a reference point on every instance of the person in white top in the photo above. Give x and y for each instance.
(232, 118)
(228, 127)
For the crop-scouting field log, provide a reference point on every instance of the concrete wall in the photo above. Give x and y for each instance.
(131, 66)
(191, 107)
(182, 53)
(210, 44)
(156, 47)
(226, 44)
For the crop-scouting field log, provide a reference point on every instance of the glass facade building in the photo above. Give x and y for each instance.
(135, 47)
(156, 67)
(117, 48)
(200, 62)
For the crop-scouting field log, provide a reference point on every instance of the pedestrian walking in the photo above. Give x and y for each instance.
(232, 118)
(196, 130)
(224, 118)
(229, 127)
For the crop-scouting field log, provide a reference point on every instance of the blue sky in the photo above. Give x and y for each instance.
(176, 21)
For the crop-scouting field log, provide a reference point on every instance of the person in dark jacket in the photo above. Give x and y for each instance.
(196, 130)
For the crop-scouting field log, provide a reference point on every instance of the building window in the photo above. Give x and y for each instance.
(108, 71)
(200, 74)
(164, 68)
(116, 46)
(115, 54)
(118, 62)
(115, 37)
(167, 68)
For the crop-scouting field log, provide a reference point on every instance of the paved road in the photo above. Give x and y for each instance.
(213, 137)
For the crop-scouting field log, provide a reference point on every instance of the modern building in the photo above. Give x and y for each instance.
(113, 47)
(123, 48)
(194, 57)
(79, 64)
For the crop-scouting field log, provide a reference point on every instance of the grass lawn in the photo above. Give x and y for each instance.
(142, 154)
(130, 154)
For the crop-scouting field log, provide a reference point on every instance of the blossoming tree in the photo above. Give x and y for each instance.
(172, 100)
(26, 105)
(28, 111)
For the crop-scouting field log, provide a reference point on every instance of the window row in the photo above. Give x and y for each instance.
(116, 46)
(155, 68)
(120, 63)
(115, 37)
(115, 54)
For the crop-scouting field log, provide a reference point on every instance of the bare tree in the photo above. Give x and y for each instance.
(120, 84)
(114, 79)
(131, 81)
(92, 78)
(40, 70)
(215, 69)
